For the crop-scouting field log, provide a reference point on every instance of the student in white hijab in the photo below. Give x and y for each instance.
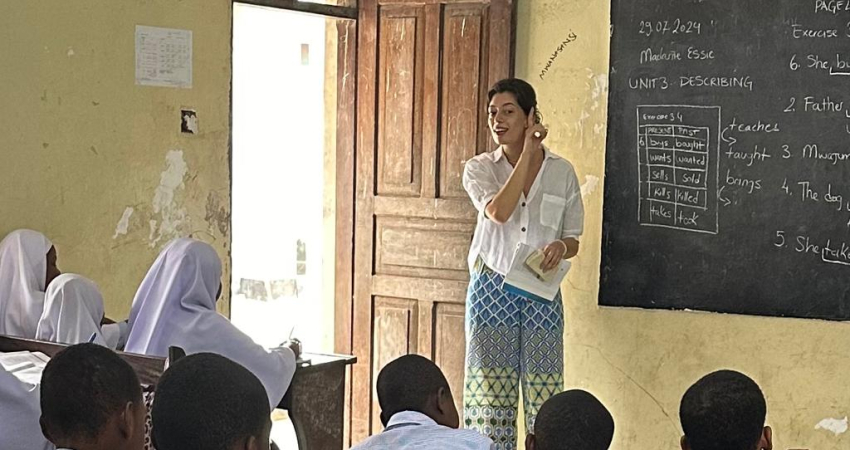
(175, 306)
(73, 311)
(27, 266)
(19, 415)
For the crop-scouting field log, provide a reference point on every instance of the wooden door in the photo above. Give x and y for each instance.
(424, 68)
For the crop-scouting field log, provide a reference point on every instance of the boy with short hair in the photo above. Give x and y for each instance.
(91, 399)
(418, 410)
(572, 420)
(208, 402)
(724, 410)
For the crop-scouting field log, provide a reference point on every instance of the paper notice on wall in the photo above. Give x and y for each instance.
(163, 57)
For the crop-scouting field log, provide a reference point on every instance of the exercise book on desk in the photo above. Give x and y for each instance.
(26, 366)
(523, 281)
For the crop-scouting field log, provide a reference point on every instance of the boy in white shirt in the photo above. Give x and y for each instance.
(418, 411)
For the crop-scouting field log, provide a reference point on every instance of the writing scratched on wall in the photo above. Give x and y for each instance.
(569, 39)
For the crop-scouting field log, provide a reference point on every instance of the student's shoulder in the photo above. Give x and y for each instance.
(473, 440)
(368, 444)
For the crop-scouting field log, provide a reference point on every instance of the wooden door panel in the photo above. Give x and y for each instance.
(423, 289)
(424, 248)
(449, 352)
(462, 104)
(431, 208)
(400, 101)
(395, 323)
(423, 70)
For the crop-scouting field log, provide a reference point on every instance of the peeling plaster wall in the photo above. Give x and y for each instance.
(99, 164)
(639, 363)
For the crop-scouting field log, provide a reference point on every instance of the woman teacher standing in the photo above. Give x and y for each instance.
(523, 194)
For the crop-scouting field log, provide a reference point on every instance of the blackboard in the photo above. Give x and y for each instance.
(727, 179)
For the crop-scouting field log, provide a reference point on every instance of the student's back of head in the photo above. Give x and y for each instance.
(91, 399)
(572, 420)
(724, 410)
(208, 402)
(415, 383)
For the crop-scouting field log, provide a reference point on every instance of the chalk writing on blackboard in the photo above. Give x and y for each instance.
(678, 154)
(750, 215)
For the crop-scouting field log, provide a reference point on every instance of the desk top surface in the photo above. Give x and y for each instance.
(148, 368)
(310, 362)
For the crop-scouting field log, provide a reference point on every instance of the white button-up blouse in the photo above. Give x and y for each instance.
(553, 209)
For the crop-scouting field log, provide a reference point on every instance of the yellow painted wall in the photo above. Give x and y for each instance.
(80, 142)
(639, 363)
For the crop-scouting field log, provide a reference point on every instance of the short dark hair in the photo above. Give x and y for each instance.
(207, 402)
(406, 384)
(573, 420)
(524, 92)
(81, 387)
(724, 410)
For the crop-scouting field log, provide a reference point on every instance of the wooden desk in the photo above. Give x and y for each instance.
(315, 399)
(148, 368)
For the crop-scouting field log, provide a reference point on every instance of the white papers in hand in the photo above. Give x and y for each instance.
(523, 281)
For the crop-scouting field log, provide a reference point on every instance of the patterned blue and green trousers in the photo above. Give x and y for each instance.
(510, 340)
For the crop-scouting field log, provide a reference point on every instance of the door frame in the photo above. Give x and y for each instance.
(339, 12)
(345, 162)
(345, 129)
(359, 49)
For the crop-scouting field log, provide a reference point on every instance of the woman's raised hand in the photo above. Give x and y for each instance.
(535, 133)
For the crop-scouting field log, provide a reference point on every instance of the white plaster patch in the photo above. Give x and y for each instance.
(835, 426)
(172, 216)
(591, 183)
(594, 98)
(152, 235)
(598, 128)
(124, 223)
(170, 180)
(598, 86)
(579, 126)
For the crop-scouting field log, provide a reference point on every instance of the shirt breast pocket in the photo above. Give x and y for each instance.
(552, 211)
